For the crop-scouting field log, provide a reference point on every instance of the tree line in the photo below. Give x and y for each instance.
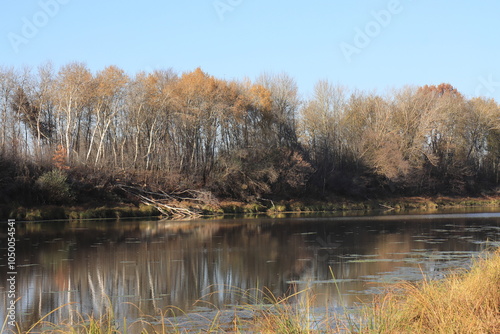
(247, 139)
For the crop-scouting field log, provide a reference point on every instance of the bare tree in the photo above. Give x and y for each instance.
(285, 104)
(71, 93)
(321, 129)
(7, 88)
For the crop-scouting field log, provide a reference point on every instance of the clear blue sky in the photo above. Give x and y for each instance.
(419, 42)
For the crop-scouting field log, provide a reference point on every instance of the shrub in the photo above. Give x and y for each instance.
(54, 187)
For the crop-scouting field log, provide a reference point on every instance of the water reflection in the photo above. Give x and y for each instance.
(140, 267)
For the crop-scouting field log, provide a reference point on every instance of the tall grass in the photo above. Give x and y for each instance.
(296, 314)
(463, 302)
(263, 313)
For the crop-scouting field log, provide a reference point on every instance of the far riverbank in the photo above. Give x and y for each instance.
(265, 207)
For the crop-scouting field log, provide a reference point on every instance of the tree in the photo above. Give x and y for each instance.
(194, 97)
(249, 139)
(71, 94)
(108, 94)
(285, 104)
(479, 130)
(8, 134)
(45, 126)
(30, 110)
(321, 130)
(59, 158)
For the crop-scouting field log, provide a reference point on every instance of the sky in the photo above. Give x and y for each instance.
(367, 45)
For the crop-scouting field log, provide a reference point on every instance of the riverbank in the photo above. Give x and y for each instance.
(463, 302)
(345, 204)
(265, 207)
(58, 212)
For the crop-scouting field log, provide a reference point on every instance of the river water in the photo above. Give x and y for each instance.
(140, 267)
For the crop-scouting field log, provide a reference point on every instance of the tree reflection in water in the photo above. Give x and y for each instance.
(139, 267)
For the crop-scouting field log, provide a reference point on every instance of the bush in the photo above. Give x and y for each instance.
(54, 187)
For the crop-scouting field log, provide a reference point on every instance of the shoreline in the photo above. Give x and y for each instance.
(230, 207)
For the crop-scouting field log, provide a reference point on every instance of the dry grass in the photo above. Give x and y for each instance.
(464, 302)
(264, 313)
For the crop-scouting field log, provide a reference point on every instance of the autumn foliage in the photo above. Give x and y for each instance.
(249, 139)
(59, 158)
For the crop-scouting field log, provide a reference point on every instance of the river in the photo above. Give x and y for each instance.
(140, 267)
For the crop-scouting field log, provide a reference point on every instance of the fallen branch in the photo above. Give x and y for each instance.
(165, 203)
(387, 207)
(169, 210)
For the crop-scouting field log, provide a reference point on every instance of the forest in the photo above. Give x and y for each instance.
(247, 139)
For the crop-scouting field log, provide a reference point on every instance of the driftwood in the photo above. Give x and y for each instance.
(389, 208)
(168, 204)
